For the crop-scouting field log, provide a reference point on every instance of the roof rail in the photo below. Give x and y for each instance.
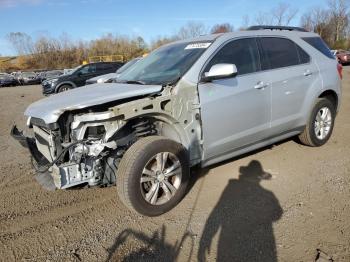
(272, 27)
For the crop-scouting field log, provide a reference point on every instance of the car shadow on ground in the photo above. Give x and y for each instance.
(243, 216)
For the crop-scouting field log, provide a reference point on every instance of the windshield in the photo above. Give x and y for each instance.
(165, 65)
(28, 74)
(5, 76)
(72, 71)
(127, 65)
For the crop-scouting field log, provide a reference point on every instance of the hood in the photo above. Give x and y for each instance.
(102, 77)
(49, 109)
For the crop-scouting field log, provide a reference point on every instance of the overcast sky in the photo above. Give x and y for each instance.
(89, 19)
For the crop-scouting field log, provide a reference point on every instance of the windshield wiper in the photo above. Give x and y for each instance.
(171, 83)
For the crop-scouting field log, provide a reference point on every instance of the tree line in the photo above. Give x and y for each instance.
(45, 52)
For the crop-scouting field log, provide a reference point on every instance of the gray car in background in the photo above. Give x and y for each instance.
(28, 78)
(193, 102)
(109, 78)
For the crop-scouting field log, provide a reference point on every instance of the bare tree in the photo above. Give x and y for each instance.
(332, 24)
(245, 22)
(263, 19)
(192, 29)
(21, 42)
(316, 20)
(283, 14)
(339, 17)
(221, 28)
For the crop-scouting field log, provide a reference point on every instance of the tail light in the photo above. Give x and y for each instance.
(340, 70)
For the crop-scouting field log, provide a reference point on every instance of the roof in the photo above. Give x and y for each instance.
(271, 27)
(254, 31)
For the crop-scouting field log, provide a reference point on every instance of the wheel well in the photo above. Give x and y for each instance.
(331, 96)
(63, 84)
(155, 126)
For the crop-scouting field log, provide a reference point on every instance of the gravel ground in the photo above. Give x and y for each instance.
(228, 214)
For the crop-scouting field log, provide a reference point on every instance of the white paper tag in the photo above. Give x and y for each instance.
(198, 45)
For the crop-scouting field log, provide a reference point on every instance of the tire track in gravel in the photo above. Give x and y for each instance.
(54, 212)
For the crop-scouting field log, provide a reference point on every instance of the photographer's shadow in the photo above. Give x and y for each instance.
(244, 215)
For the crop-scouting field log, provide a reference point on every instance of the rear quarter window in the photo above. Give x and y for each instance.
(320, 45)
(278, 52)
(281, 52)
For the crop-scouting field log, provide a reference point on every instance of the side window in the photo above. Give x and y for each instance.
(103, 67)
(243, 53)
(278, 52)
(320, 45)
(88, 69)
(304, 58)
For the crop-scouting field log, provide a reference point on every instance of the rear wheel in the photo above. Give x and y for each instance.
(153, 175)
(64, 88)
(320, 125)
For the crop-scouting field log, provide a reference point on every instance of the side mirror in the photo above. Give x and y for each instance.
(79, 73)
(220, 71)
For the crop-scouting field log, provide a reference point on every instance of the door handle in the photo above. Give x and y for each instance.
(307, 73)
(261, 85)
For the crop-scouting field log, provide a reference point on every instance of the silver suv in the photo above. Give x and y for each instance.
(198, 101)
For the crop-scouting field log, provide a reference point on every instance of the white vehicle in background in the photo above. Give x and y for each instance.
(108, 78)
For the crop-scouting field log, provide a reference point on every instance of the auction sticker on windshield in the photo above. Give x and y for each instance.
(197, 45)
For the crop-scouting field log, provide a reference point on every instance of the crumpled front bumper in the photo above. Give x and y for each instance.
(29, 143)
(45, 179)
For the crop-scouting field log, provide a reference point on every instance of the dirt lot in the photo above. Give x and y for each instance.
(227, 214)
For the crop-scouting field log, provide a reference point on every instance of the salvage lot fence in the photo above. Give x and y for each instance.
(107, 58)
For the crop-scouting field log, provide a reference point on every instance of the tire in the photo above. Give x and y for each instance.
(312, 136)
(63, 88)
(143, 156)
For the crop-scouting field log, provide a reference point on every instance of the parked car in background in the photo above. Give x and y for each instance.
(28, 78)
(7, 80)
(343, 56)
(50, 74)
(78, 77)
(193, 102)
(108, 78)
(16, 75)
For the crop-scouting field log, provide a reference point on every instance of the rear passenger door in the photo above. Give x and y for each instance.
(292, 74)
(235, 112)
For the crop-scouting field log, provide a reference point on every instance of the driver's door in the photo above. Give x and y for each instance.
(235, 111)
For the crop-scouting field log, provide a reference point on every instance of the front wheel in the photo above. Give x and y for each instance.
(64, 88)
(153, 175)
(320, 125)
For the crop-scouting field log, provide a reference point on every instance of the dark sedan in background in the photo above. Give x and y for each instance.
(78, 76)
(7, 80)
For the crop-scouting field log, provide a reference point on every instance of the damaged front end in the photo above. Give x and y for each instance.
(85, 153)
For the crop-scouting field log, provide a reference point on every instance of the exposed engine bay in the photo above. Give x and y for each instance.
(90, 156)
